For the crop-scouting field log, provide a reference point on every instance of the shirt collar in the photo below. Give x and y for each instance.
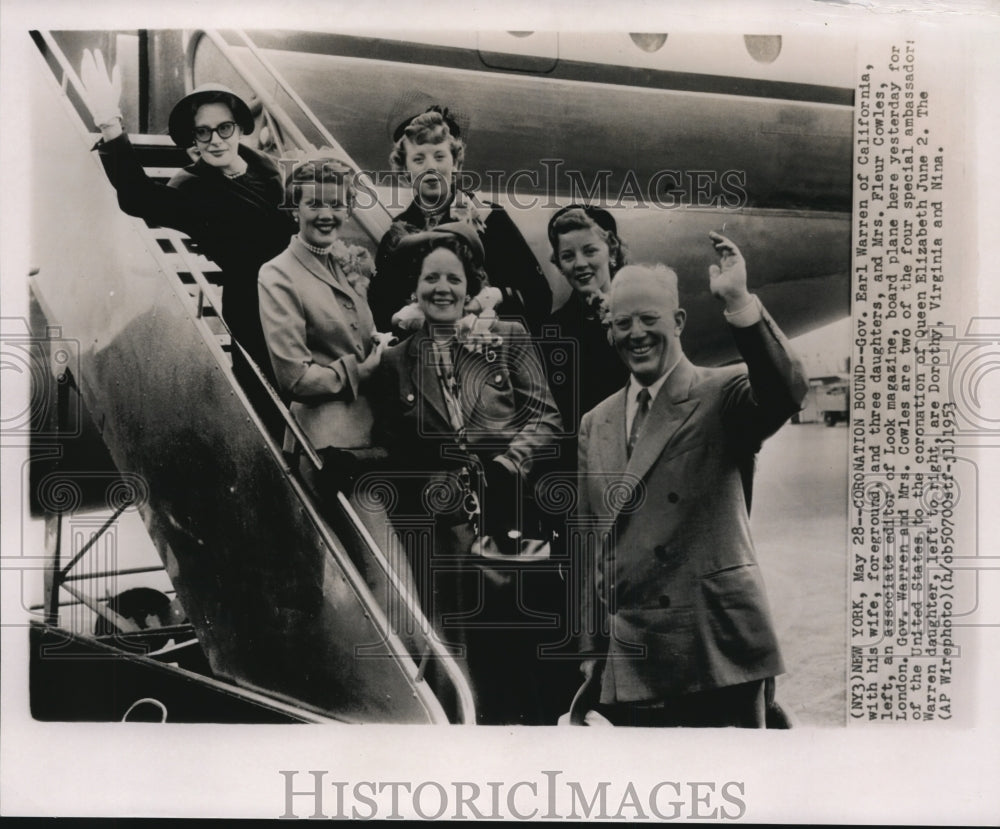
(432, 218)
(654, 388)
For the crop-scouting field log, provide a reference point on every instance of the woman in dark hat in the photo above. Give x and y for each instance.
(469, 421)
(228, 201)
(429, 148)
(588, 252)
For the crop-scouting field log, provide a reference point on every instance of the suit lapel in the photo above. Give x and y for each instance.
(472, 364)
(611, 449)
(423, 374)
(670, 410)
(318, 269)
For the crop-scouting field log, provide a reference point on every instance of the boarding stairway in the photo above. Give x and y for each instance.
(293, 599)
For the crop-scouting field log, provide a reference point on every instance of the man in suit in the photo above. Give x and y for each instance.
(666, 470)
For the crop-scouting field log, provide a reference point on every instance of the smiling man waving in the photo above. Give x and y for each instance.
(676, 591)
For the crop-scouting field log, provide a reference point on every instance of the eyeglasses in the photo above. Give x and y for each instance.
(624, 323)
(225, 130)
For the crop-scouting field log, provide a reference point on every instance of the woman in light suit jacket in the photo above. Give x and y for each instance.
(469, 422)
(319, 330)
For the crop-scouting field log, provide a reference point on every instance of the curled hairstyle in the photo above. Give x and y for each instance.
(578, 219)
(319, 171)
(475, 274)
(427, 128)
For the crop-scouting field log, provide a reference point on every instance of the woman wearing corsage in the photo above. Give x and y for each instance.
(319, 330)
(467, 415)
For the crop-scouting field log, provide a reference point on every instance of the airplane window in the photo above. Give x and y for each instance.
(763, 48)
(648, 41)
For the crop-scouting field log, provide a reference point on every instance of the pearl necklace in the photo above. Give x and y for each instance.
(230, 175)
(321, 252)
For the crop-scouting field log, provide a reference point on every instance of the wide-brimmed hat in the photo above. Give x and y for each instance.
(408, 244)
(181, 123)
(597, 215)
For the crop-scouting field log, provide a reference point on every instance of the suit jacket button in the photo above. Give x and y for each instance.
(664, 601)
(673, 497)
(661, 552)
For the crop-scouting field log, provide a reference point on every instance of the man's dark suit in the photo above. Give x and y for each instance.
(678, 586)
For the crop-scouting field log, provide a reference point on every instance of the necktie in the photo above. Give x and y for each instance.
(639, 419)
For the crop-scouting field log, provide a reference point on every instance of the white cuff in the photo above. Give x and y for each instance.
(749, 314)
(108, 118)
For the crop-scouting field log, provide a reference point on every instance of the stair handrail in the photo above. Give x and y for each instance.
(436, 650)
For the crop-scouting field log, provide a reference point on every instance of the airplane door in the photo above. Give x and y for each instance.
(519, 51)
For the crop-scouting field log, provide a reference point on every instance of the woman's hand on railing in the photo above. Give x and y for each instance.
(102, 92)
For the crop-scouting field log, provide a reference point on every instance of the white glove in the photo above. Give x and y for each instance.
(489, 298)
(590, 718)
(409, 317)
(102, 91)
(593, 718)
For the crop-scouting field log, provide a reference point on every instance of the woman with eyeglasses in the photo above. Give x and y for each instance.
(588, 252)
(228, 201)
(468, 420)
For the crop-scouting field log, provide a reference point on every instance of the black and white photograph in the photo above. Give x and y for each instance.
(458, 418)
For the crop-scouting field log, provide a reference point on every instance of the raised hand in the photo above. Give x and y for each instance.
(728, 280)
(102, 91)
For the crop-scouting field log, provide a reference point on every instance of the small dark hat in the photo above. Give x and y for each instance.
(450, 122)
(597, 215)
(181, 123)
(409, 243)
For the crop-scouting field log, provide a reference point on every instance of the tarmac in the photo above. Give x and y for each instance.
(799, 525)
